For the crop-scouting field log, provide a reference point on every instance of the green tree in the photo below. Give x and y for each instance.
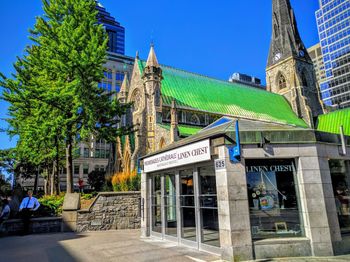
(54, 95)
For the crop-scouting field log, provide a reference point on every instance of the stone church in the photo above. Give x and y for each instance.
(170, 104)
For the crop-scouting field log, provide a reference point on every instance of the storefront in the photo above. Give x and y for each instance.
(258, 198)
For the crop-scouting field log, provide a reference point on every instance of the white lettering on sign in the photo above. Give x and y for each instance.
(220, 164)
(193, 153)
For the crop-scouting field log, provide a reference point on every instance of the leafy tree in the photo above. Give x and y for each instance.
(54, 95)
(97, 179)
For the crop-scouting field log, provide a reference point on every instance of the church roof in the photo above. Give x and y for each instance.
(185, 130)
(331, 122)
(201, 93)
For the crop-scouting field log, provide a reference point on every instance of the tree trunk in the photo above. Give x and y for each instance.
(35, 191)
(45, 187)
(52, 179)
(56, 169)
(69, 164)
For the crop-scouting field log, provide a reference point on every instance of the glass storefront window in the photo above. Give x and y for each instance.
(170, 205)
(340, 173)
(208, 207)
(273, 199)
(156, 204)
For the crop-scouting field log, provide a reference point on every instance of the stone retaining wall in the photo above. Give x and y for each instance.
(115, 210)
(37, 225)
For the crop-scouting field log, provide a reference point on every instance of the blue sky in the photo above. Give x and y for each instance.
(202, 36)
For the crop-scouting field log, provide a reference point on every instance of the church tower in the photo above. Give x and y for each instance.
(290, 70)
(152, 78)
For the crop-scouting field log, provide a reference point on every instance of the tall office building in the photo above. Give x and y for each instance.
(316, 56)
(333, 21)
(115, 31)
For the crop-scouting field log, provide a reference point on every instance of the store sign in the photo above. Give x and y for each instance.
(272, 168)
(185, 155)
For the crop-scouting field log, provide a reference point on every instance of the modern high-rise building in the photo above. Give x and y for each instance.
(333, 21)
(316, 56)
(115, 31)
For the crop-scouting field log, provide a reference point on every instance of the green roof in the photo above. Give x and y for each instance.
(202, 93)
(331, 122)
(183, 129)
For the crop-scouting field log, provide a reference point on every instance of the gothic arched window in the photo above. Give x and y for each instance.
(157, 97)
(195, 120)
(282, 83)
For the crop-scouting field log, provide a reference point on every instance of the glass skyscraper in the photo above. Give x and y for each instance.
(333, 22)
(115, 31)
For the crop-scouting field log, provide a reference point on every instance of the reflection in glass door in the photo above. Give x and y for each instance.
(208, 207)
(156, 204)
(187, 206)
(170, 205)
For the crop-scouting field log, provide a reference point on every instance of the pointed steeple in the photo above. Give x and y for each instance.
(124, 89)
(125, 84)
(152, 58)
(285, 40)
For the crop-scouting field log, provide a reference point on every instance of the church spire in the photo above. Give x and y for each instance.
(152, 60)
(285, 40)
(123, 93)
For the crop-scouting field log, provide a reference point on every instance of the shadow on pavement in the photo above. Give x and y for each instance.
(40, 248)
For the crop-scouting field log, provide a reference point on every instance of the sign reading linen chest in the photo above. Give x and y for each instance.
(193, 153)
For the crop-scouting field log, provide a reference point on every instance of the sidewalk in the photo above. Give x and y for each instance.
(110, 246)
(104, 246)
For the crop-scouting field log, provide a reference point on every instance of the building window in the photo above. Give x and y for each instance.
(282, 83)
(76, 170)
(340, 173)
(97, 153)
(273, 199)
(86, 152)
(195, 120)
(86, 169)
(99, 168)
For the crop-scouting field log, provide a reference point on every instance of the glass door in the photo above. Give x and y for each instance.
(188, 208)
(156, 206)
(209, 219)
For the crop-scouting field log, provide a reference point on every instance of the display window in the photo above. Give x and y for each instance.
(273, 199)
(340, 173)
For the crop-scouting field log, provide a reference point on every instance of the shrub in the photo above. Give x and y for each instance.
(51, 205)
(126, 181)
(88, 196)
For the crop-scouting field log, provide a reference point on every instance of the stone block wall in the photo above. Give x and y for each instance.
(37, 226)
(115, 210)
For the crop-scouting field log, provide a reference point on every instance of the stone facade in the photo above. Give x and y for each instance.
(321, 237)
(120, 210)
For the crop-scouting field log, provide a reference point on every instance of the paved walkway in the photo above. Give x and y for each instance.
(109, 246)
(97, 247)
